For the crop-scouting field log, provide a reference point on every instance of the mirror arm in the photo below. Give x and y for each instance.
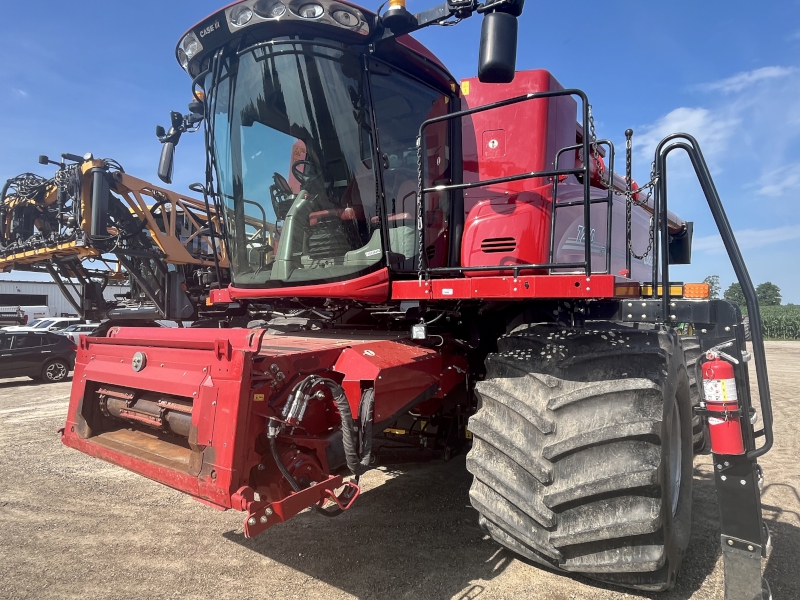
(460, 9)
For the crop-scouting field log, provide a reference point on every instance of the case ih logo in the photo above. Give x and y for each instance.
(209, 29)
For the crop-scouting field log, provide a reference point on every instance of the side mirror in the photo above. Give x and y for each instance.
(497, 59)
(166, 162)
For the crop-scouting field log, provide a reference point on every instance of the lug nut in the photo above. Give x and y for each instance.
(268, 511)
(263, 520)
(730, 542)
(251, 521)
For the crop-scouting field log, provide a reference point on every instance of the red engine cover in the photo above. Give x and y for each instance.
(507, 231)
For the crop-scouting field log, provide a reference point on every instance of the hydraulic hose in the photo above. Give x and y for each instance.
(293, 483)
(357, 441)
(356, 462)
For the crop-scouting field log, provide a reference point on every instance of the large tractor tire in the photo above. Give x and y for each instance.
(692, 353)
(582, 452)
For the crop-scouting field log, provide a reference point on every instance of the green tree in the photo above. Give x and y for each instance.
(734, 294)
(713, 286)
(768, 294)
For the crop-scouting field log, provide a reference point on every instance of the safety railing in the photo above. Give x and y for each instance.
(587, 146)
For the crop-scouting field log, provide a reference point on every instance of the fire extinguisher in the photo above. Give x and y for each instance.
(722, 404)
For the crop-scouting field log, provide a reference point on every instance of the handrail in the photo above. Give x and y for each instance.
(692, 148)
(586, 145)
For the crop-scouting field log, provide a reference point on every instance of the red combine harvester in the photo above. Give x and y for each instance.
(446, 266)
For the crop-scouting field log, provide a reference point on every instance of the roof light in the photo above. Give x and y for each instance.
(241, 15)
(191, 45)
(310, 11)
(269, 9)
(183, 59)
(345, 18)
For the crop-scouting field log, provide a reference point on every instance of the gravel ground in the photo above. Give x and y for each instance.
(75, 527)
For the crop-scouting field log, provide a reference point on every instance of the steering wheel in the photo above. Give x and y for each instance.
(310, 170)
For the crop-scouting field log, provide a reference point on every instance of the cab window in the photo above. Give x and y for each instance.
(401, 105)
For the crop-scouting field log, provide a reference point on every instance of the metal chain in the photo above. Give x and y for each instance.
(598, 164)
(420, 240)
(630, 201)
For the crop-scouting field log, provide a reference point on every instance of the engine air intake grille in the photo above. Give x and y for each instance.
(503, 244)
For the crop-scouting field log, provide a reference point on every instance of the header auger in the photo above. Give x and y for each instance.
(443, 265)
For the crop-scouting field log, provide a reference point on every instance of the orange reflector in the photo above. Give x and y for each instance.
(695, 290)
(200, 94)
(397, 3)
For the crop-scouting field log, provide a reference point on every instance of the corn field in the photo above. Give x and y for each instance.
(781, 322)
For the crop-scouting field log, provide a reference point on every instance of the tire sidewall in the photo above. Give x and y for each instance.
(677, 527)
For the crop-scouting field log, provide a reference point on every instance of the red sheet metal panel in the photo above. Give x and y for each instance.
(369, 288)
(521, 288)
(235, 380)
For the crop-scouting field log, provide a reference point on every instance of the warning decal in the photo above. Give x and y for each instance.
(720, 390)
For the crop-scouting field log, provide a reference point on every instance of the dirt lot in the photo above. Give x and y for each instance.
(74, 527)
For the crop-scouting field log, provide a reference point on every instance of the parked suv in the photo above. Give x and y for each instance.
(39, 355)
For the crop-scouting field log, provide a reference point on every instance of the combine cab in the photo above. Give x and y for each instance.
(454, 266)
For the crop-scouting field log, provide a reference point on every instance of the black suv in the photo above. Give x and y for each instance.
(46, 356)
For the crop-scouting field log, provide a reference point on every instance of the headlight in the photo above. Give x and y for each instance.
(184, 60)
(345, 18)
(269, 9)
(310, 11)
(191, 45)
(240, 16)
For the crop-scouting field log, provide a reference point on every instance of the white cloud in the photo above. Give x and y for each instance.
(776, 182)
(20, 93)
(748, 239)
(740, 81)
(711, 130)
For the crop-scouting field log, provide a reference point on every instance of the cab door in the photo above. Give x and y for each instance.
(401, 104)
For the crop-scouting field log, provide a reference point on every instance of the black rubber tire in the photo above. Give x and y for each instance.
(746, 327)
(691, 353)
(575, 446)
(55, 370)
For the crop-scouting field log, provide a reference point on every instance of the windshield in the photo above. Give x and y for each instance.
(41, 324)
(293, 149)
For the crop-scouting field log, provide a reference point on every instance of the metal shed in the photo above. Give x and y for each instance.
(44, 293)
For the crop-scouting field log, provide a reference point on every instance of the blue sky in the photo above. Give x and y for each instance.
(99, 76)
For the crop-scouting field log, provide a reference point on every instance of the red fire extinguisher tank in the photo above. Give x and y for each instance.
(722, 402)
